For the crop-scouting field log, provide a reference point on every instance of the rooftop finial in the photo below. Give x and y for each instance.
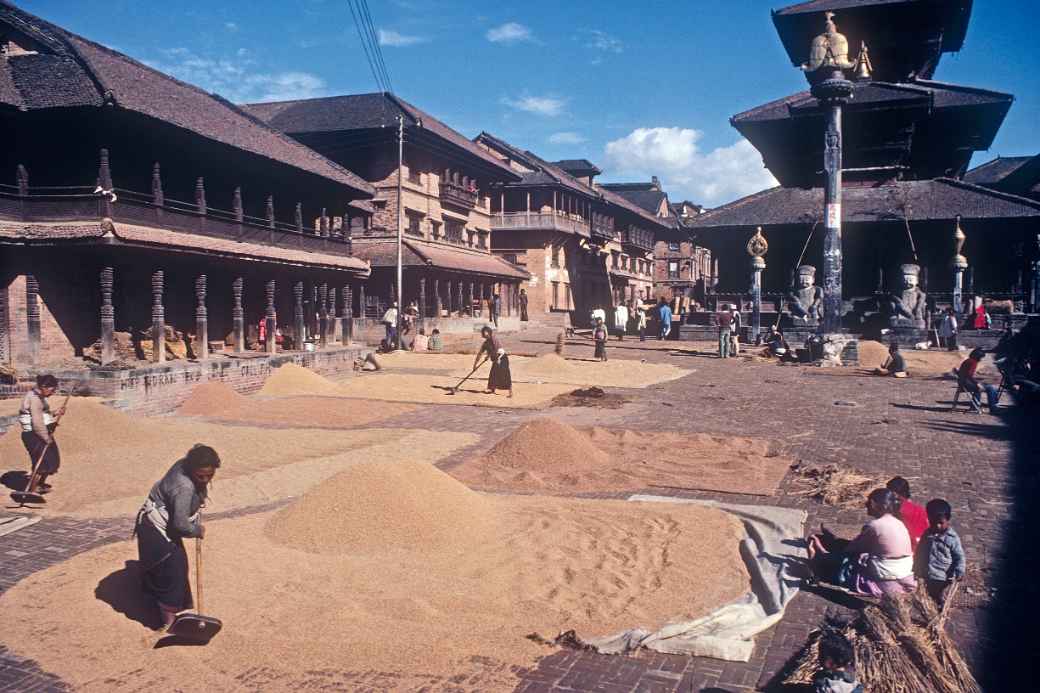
(863, 66)
(829, 49)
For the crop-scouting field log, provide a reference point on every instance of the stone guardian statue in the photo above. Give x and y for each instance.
(805, 302)
(908, 307)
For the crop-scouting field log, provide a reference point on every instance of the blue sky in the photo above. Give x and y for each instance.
(638, 88)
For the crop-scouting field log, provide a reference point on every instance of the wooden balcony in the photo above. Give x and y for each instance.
(541, 222)
(79, 203)
(638, 238)
(459, 196)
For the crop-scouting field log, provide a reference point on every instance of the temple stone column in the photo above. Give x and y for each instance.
(335, 334)
(960, 263)
(299, 324)
(158, 319)
(756, 248)
(451, 296)
(470, 296)
(32, 316)
(270, 319)
(480, 308)
(108, 316)
(238, 316)
(458, 286)
(361, 302)
(201, 319)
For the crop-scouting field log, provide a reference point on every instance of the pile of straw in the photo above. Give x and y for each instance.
(833, 485)
(901, 647)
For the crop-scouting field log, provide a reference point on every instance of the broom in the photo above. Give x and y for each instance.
(27, 496)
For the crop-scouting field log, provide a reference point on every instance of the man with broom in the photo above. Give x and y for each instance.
(38, 426)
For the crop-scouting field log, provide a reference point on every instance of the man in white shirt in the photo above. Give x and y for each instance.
(621, 320)
(390, 323)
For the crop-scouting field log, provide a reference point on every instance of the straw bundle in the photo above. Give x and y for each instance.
(834, 485)
(900, 646)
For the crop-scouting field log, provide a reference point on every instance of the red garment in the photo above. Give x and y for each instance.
(915, 518)
(980, 318)
(725, 319)
(967, 369)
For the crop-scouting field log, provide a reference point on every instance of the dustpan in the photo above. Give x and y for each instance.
(196, 627)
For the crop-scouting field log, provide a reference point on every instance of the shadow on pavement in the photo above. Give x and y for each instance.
(122, 591)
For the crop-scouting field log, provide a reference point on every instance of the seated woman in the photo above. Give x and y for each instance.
(169, 514)
(895, 364)
(775, 342)
(436, 341)
(877, 562)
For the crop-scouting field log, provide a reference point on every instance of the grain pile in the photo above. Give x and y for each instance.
(375, 506)
(110, 459)
(433, 389)
(918, 362)
(219, 402)
(547, 455)
(452, 617)
(291, 379)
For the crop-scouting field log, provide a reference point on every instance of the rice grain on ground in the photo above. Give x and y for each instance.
(451, 617)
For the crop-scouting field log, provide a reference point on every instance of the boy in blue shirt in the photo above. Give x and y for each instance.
(940, 556)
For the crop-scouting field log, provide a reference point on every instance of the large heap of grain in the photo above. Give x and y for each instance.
(543, 446)
(212, 399)
(547, 455)
(291, 379)
(918, 361)
(379, 505)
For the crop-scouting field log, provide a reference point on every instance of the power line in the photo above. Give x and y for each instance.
(378, 50)
(364, 37)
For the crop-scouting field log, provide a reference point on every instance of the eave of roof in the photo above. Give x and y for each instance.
(83, 73)
(352, 112)
(418, 253)
(996, 170)
(928, 200)
(552, 172)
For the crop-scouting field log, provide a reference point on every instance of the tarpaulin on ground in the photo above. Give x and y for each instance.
(772, 551)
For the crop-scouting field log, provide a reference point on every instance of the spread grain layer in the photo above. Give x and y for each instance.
(218, 401)
(293, 380)
(547, 455)
(110, 459)
(332, 592)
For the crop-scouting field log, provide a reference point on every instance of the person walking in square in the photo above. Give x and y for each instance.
(665, 314)
(599, 335)
(496, 309)
(641, 321)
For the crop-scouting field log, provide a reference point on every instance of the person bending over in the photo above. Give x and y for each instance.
(169, 515)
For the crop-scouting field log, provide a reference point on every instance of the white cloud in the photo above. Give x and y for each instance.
(231, 26)
(566, 138)
(389, 37)
(710, 178)
(539, 105)
(602, 41)
(238, 79)
(510, 32)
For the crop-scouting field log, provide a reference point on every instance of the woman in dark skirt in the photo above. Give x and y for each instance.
(168, 516)
(38, 433)
(500, 378)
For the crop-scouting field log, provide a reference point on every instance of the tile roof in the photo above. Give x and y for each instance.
(614, 198)
(996, 170)
(417, 253)
(578, 165)
(73, 71)
(649, 199)
(938, 199)
(546, 173)
(364, 112)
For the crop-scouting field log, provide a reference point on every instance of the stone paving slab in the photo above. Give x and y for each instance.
(979, 463)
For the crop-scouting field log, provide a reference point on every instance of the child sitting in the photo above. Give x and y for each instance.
(421, 341)
(895, 365)
(837, 666)
(940, 556)
(436, 342)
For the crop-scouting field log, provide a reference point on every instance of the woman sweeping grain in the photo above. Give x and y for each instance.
(500, 377)
(169, 514)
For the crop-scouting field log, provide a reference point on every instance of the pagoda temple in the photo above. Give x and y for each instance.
(907, 144)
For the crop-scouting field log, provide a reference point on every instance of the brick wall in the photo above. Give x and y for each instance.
(55, 345)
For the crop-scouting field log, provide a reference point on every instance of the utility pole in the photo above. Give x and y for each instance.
(400, 227)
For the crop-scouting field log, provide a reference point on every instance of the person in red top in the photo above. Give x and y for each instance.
(966, 380)
(913, 515)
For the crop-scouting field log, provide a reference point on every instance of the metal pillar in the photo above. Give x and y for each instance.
(108, 317)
